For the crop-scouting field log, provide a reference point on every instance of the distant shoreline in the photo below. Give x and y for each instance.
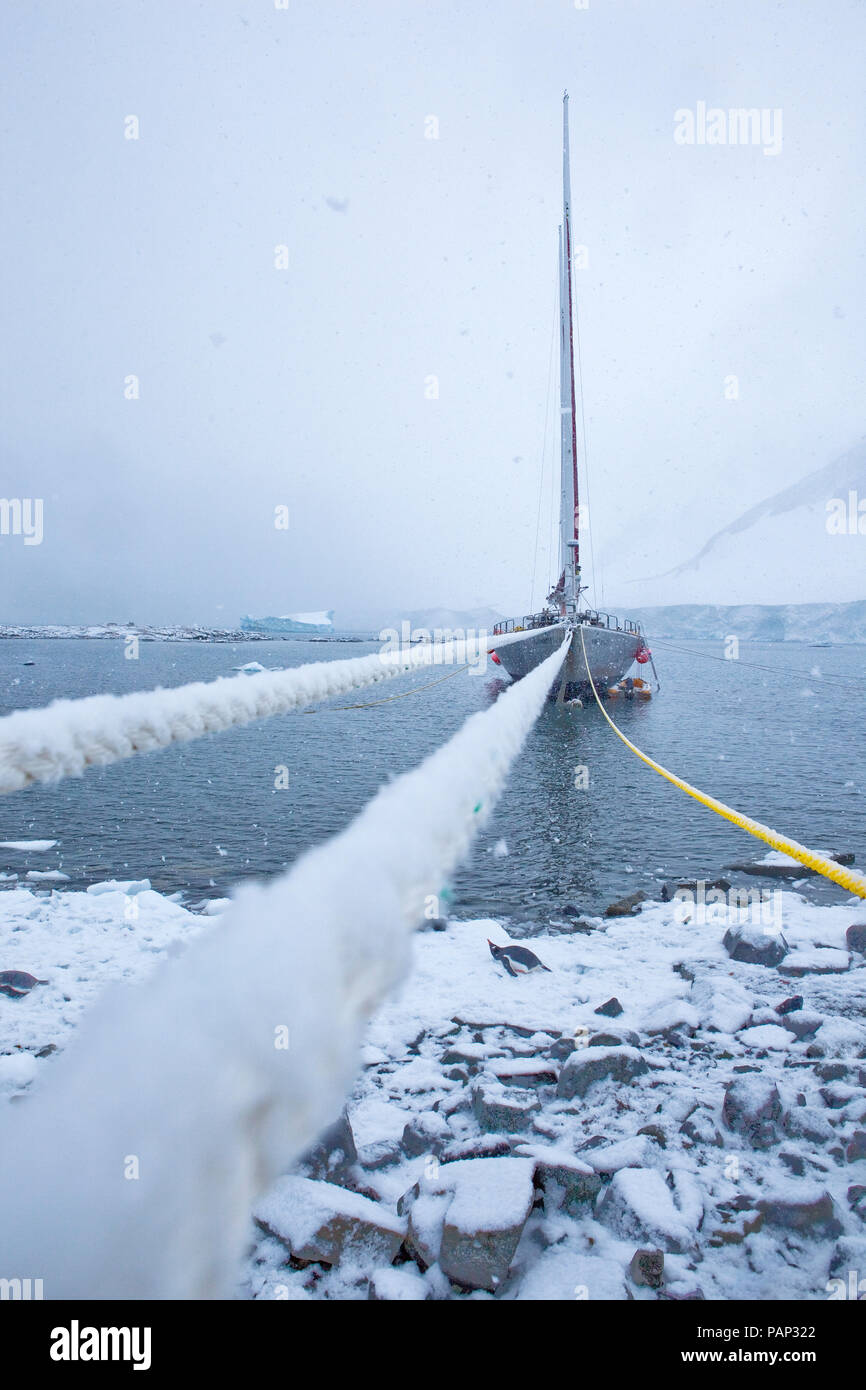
(109, 632)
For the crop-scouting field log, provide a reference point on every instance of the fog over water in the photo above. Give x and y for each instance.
(385, 377)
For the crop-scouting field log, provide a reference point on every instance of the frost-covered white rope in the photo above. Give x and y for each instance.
(69, 736)
(132, 1171)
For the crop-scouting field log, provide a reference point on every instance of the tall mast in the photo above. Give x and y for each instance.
(569, 509)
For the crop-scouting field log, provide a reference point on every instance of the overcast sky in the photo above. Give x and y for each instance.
(411, 258)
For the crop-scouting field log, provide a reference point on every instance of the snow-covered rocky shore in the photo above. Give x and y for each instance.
(676, 1110)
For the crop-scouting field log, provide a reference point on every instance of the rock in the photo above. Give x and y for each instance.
(794, 1161)
(831, 1071)
(332, 1156)
(626, 907)
(855, 938)
(321, 1222)
(583, 1068)
(683, 1291)
(800, 1206)
(523, 1071)
(635, 1152)
(676, 1016)
(752, 1108)
(562, 1048)
(791, 1005)
(837, 1095)
(821, 960)
(613, 1008)
(647, 1268)
(490, 1200)
(699, 885)
(501, 1111)
(427, 1210)
(427, 1133)
(735, 1229)
(805, 1122)
(402, 1284)
(564, 1180)
(493, 1146)
(723, 1005)
(380, 1154)
(615, 1037)
(560, 1273)
(639, 1205)
(771, 1036)
(857, 1146)
(803, 1024)
(753, 946)
(470, 1054)
(655, 1132)
(855, 1194)
(700, 1128)
(850, 1253)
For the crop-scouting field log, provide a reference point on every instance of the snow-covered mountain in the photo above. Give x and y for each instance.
(762, 622)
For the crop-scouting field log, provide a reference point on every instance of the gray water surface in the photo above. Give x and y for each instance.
(784, 746)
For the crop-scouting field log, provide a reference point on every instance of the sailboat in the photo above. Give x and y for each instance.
(611, 644)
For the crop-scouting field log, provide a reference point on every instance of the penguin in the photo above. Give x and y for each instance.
(517, 960)
(17, 983)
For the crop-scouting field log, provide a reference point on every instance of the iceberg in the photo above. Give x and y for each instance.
(321, 622)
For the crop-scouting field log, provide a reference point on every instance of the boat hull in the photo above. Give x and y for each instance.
(609, 654)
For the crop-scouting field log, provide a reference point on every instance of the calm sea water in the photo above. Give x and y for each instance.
(783, 745)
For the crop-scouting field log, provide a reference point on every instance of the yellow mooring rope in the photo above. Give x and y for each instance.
(848, 878)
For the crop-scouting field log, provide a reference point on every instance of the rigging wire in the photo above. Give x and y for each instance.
(585, 451)
(758, 666)
(543, 453)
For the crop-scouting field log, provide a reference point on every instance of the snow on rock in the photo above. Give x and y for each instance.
(723, 1005)
(565, 1273)
(799, 1206)
(640, 1205)
(636, 1152)
(401, 1285)
(766, 1035)
(754, 946)
(815, 962)
(321, 1221)
(582, 1069)
(563, 1178)
(676, 1014)
(502, 1110)
(752, 1108)
(464, 1069)
(483, 1223)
